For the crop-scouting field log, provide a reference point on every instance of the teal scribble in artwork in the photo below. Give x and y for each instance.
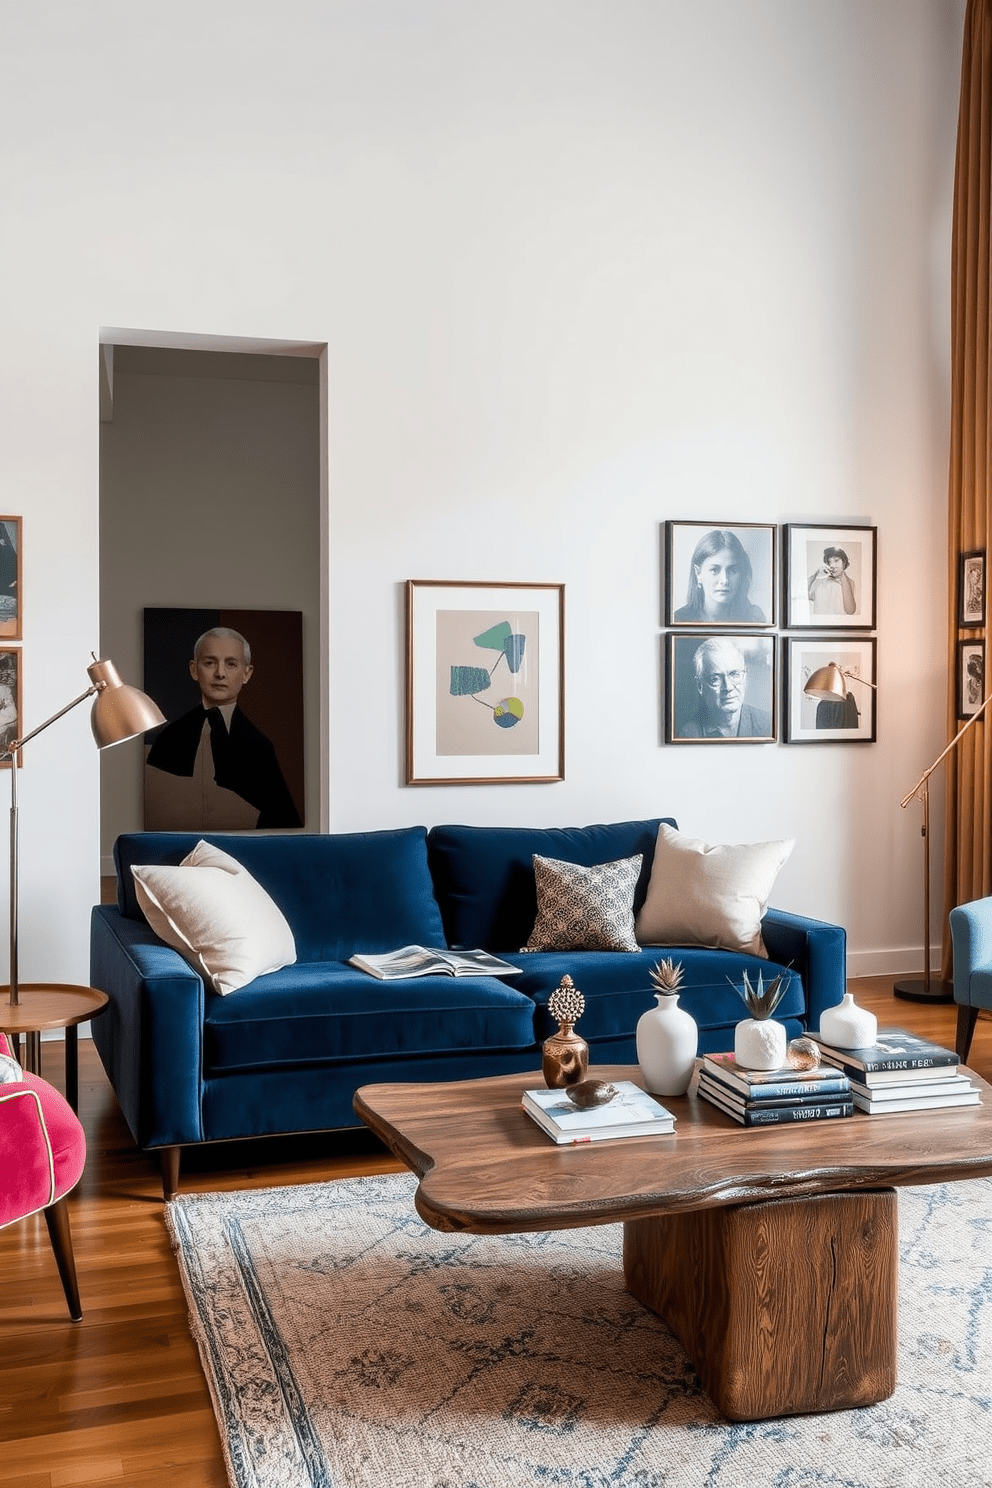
(494, 639)
(466, 681)
(513, 650)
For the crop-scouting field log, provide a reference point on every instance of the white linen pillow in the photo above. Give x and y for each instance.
(709, 896)
(212, 911)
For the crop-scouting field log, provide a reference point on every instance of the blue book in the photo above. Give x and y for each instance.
(775, 1085)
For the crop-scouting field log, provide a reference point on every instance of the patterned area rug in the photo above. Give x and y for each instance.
(348, 1346)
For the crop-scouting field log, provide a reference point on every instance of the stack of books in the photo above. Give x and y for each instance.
(631, 1113)
(774, 1097)
(902, 1072)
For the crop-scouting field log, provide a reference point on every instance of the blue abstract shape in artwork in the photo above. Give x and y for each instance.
(466, 681)
(513, 650)
(508, 712)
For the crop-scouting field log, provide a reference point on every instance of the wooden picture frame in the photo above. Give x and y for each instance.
(721, 688)
(971, 589)
(830, 577)
(11, 603)
(720, 575)
(970, 674)
(10, 699)
(811, 720)
(485, 682)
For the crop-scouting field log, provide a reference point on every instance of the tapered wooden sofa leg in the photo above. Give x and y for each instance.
(169, 1158)
(57, 1219)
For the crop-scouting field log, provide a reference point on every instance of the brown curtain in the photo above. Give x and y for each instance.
(968, 779)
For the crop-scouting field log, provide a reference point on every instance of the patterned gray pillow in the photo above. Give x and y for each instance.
(10, 1070)
(585, 909)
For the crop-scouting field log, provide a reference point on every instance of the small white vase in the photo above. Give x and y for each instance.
(848, 1026)
(667, 1039)
(760, 1044)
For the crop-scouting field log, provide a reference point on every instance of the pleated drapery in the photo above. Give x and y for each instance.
(968, 779)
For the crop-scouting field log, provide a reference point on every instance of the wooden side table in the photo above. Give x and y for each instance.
(51, 1005)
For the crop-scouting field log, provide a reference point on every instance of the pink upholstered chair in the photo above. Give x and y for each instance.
(42, 1152)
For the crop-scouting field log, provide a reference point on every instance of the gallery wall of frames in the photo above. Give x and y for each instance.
(754, 615)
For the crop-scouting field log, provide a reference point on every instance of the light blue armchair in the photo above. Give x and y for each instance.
(971, 936)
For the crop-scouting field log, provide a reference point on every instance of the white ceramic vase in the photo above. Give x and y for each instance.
(848, 1026)
(760, 1044)
(667, 1039)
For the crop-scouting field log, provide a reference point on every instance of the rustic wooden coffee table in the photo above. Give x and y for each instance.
(771, 1253)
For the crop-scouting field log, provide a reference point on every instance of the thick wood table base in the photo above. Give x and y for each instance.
(784, 1307)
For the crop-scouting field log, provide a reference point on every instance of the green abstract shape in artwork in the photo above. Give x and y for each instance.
(508, 712)
(466, 681)
(513, 650)
(495, 638)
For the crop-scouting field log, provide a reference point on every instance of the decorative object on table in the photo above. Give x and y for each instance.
(11, 600)
(830, 577)
(820, 705)
(564, 1055)
(721, 688)
(803, 1054)
(720, 574)
(590, 1093)
(971, 588)
(759, 1041)
(848, 1026)
(667, 1036)
(119, 712)
(969, 677)
(630, 1113)
(484, 683)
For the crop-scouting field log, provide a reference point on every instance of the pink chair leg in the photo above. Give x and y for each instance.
(57, 1219)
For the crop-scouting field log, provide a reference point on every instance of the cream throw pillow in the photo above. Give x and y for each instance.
(709, 896)
(218, 916)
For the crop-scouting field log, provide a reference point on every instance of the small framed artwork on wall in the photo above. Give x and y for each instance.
(11, 616)
(830, 577)
(485, 698)
(971, 589)
(10, 699)
(719, 575)
(830, 690)
(720, 689)
(970, 678)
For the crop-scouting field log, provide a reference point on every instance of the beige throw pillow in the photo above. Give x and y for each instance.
(709, 896)
(212, 911)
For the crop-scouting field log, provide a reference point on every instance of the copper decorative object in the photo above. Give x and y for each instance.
(565, 1056)
(590, 1093)
(802, 1054)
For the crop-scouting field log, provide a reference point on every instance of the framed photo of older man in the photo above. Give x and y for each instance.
(721, 689)
(830, 577)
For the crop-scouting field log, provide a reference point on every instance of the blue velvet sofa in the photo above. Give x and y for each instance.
(287, 1052)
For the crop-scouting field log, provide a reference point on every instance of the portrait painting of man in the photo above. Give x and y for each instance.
(230, 683)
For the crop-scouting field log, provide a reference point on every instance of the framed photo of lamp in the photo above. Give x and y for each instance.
(720, 688)
(719, 574)
(971, 589)
(830, 690)
(830, 577)
(485, 682)
(970, 690)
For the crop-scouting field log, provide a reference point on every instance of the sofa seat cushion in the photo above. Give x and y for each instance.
(617, 988)
(328, 1011)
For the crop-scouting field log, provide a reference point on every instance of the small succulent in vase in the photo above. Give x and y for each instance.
(760, 1042)
(667, 1037)
(565, 1056)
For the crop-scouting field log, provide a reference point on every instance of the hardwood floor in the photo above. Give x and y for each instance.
(120, 1396)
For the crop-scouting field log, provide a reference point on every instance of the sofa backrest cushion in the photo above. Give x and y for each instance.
(341, 892)
(484, 876)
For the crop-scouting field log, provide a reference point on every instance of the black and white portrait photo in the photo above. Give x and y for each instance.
(719, 575)
(971, 589)
(971, 677)
(830, 577)
(720, 689)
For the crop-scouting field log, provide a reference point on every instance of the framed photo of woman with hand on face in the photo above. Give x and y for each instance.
(719, 575)
(830, 577)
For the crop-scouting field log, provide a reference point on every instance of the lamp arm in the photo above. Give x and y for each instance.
(863, 680)
(920, 784)
(13, 748)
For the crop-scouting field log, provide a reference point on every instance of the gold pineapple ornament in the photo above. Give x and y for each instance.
(565, 1056)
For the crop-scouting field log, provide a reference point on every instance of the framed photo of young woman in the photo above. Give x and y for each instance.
(830, 577)
(846, 713)
(719, 574)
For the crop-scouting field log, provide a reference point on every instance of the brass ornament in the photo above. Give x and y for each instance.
(565, 1055)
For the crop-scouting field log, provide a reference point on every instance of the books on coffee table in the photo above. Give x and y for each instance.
(779, 1110)
(631, 1113)
(902, 1072)
(919, 1095)
(417, 961)
(774, 1085)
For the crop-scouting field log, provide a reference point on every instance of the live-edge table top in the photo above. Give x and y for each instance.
(486, 1167)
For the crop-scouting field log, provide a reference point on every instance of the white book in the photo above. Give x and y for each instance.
(418, 961)
(631, 1113)
(915, 1102)
(928, 1089)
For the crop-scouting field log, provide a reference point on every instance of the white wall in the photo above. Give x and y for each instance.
(581, 266)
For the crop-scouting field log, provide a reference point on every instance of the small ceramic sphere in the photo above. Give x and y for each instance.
(589, 1093)
(803, 1054)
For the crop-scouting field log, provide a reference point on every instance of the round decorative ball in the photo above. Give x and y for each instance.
(803, 1054)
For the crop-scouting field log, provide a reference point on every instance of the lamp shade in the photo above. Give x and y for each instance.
(119, 711)
(827, 683)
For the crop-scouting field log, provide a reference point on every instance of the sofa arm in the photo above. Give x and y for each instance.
(971, 939)
(150, 1037)
(816, 950)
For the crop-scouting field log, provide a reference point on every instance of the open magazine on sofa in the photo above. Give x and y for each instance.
(416, 960)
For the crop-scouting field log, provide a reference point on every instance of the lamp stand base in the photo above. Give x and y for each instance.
(919, 991)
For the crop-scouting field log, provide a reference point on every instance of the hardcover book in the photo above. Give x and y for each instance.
(417, 961)
(631, 1113)
(894, 1051)
(748, 1113)
(774, 1085)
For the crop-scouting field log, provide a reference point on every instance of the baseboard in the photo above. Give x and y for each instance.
(898, 963)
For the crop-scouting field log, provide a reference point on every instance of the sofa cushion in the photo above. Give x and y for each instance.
(327, 1011)
(709, 896)
(588, 909)
(484, 876)
(341, 892)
